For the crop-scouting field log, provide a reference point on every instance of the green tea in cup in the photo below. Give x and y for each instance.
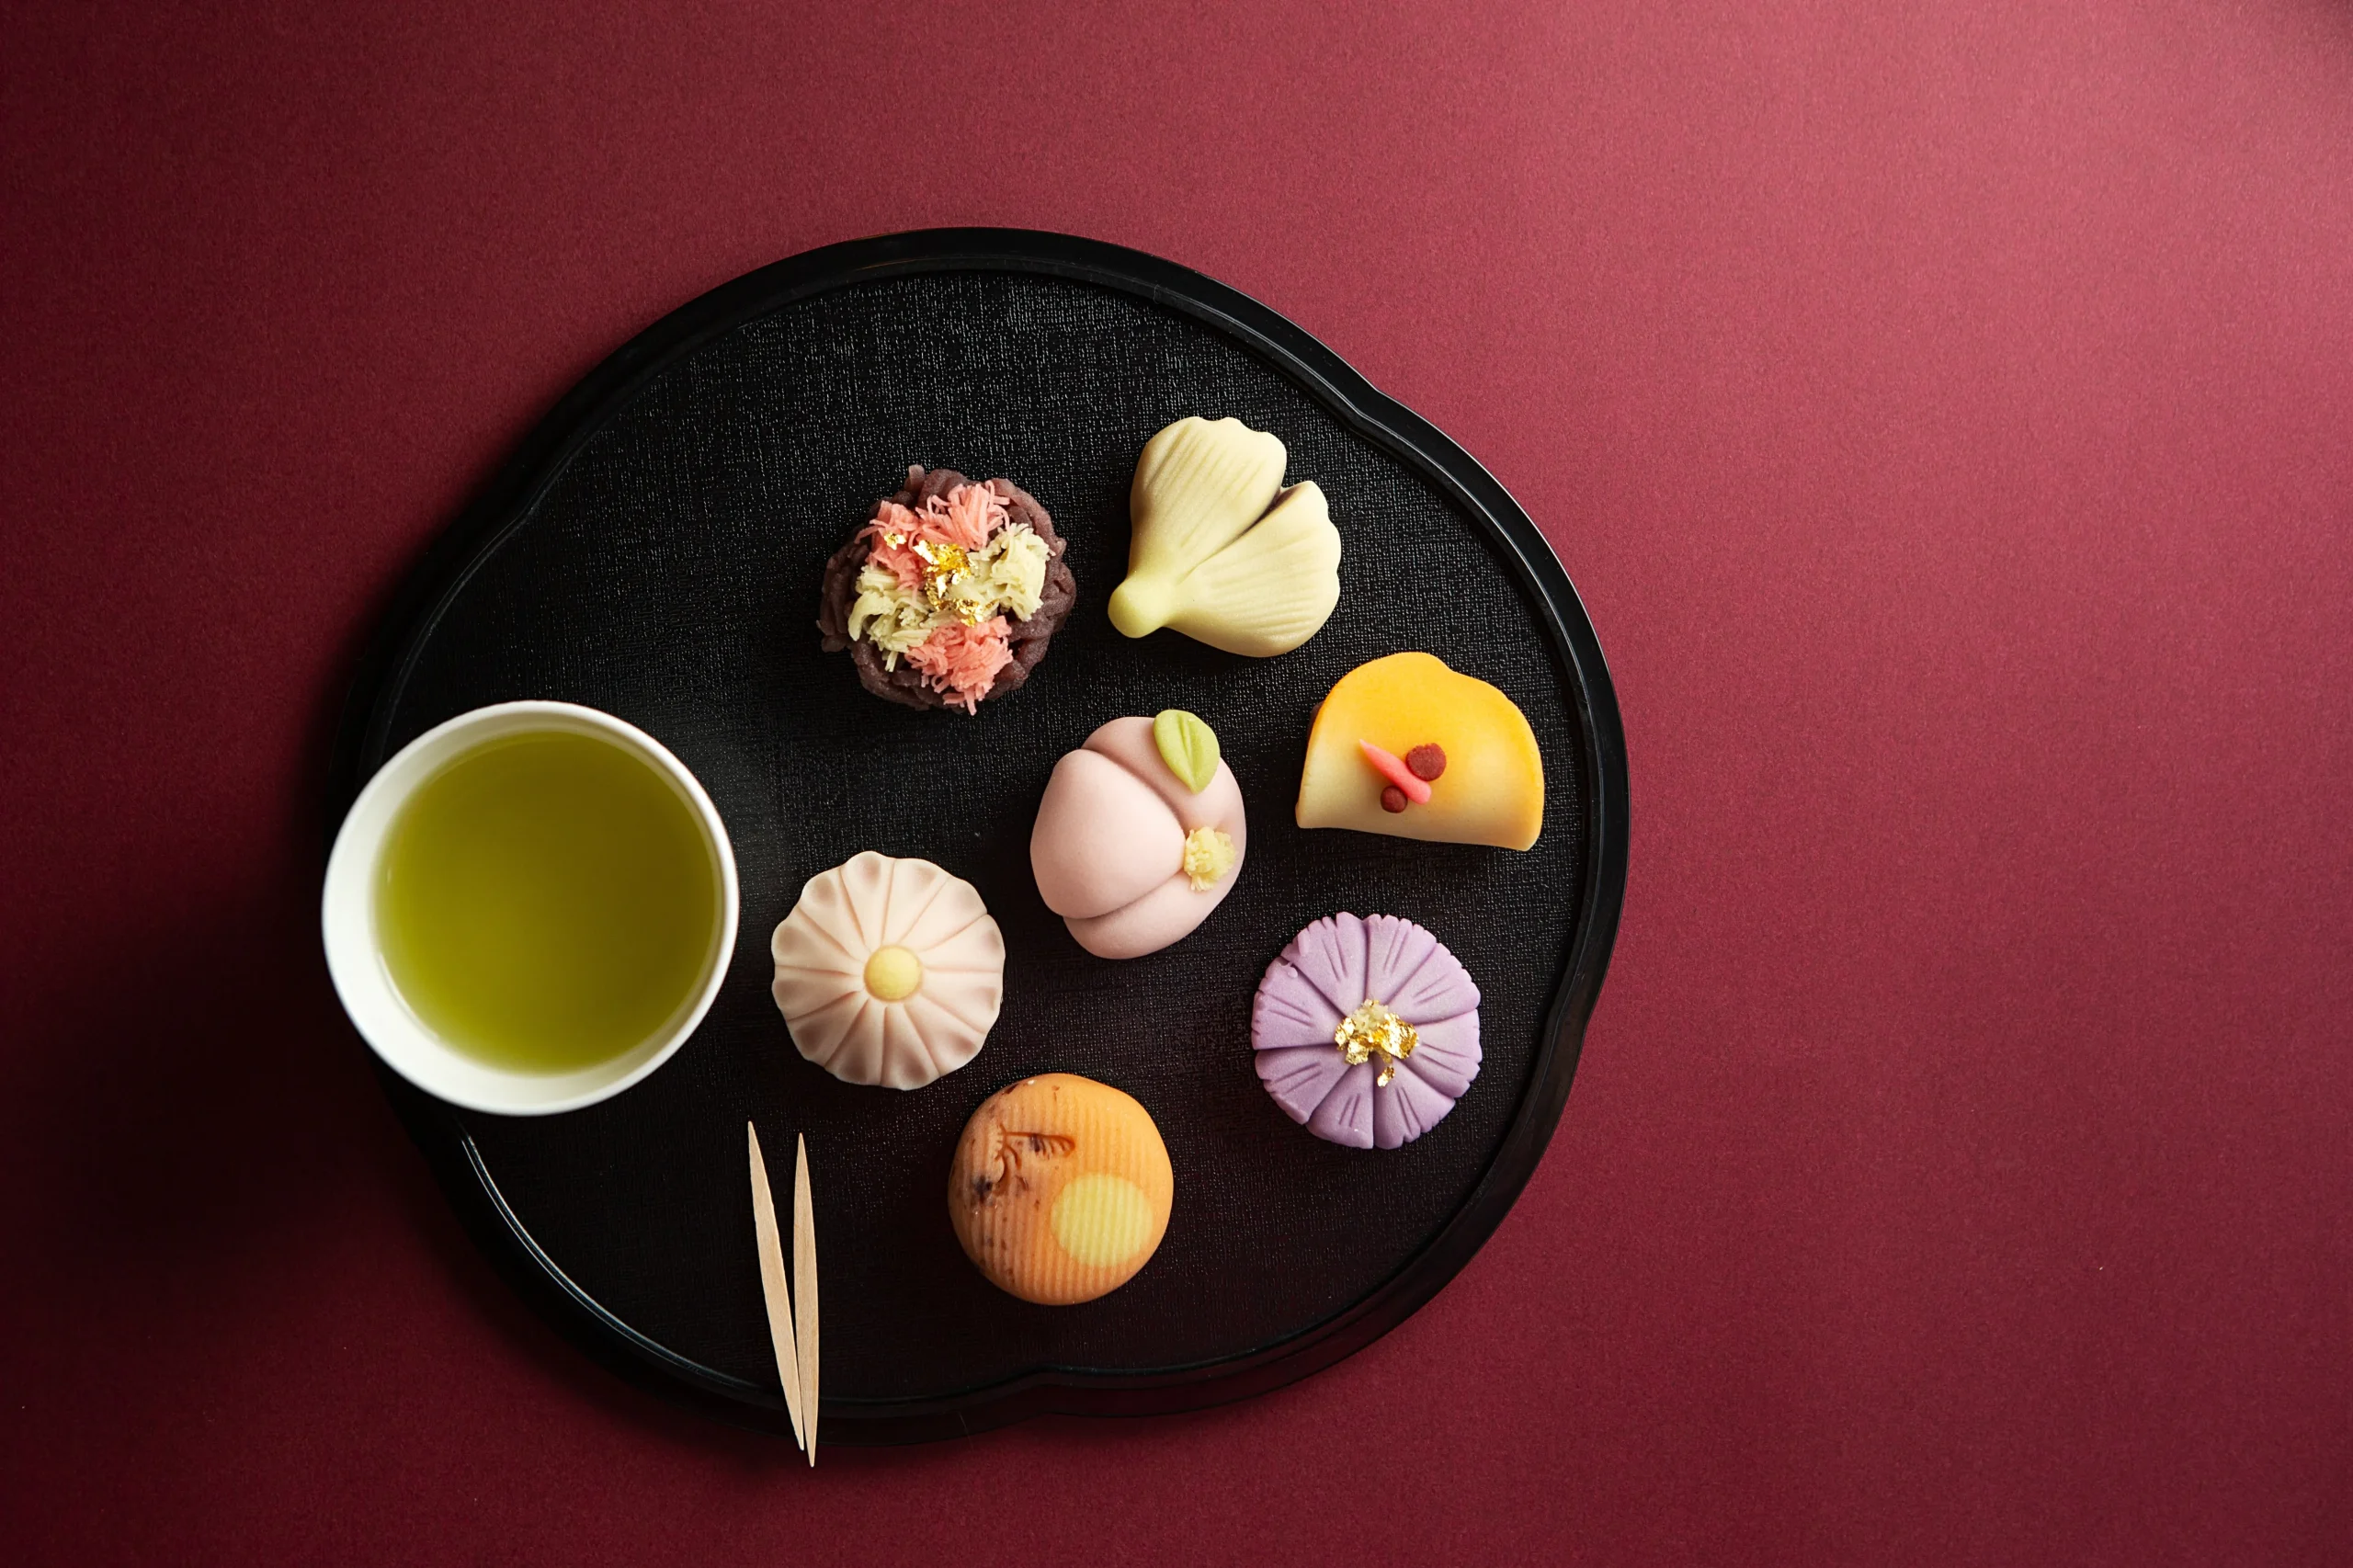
(545, 901)
(529, 907)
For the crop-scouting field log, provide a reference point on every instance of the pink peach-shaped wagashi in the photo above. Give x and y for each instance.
(1140, 836)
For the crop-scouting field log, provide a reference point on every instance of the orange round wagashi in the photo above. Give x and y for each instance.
(1059, 1189)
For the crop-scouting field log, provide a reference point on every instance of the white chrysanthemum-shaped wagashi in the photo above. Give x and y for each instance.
(1221, 552)
(889, 972)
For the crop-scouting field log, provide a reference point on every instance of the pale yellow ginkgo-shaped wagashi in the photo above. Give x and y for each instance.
(888, 971)
(1220, 549)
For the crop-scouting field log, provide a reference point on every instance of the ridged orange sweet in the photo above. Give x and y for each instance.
(1061, 1188)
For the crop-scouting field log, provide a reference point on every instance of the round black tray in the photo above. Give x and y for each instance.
(654, 550)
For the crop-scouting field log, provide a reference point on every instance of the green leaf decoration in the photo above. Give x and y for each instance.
(1186, 745)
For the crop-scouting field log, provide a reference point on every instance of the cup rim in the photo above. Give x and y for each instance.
(383, 1018)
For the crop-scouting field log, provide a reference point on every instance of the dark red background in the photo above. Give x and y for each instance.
(1944, 411)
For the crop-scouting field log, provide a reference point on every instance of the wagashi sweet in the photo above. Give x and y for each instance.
(948, 595)
(1366, 1031)
(1405, 747)
(1140, 836)
(1059, 1188)
(888, 971)
(1220, 549)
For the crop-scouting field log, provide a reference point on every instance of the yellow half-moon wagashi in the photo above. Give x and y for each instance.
(1405, 747)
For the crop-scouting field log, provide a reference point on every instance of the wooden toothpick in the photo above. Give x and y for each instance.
(804, 1279)
(791, 1368)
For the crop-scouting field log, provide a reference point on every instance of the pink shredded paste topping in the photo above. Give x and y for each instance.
(965, 517)
(961, 662)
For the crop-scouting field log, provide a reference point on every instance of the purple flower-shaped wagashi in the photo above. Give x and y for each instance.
(1367, 1031)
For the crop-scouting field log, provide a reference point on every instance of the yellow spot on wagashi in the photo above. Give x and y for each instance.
(1208, 855)
(892, 974)
(1102, 1220)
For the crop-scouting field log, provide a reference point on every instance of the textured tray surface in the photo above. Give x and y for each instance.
(670, 576)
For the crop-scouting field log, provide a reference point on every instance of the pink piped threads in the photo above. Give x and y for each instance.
(963, 660)
(965, 518)
(973, 513)
(891, 537)
(945, 550)
(1400, 777)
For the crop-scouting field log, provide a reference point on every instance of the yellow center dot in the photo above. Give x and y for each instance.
(1102, 1220)
(892, 974)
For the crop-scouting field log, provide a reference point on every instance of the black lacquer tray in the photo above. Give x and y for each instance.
(654, 550)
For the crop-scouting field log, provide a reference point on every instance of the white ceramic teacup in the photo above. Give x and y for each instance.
(355, 953)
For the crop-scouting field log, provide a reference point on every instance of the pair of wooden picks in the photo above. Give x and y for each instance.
(792, 1316)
